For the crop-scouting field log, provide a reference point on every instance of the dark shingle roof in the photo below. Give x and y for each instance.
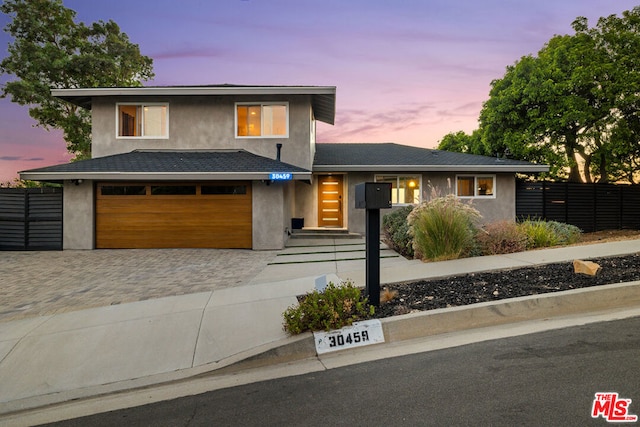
(396, 157)
(141, 164)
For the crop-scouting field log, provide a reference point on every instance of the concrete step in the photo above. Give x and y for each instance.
(324, 233)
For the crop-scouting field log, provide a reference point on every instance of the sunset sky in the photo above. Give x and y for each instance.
(406, 71)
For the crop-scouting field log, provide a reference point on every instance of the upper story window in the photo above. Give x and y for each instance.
(405, 189)
(266, 120)
(476, 186)
(142, 120)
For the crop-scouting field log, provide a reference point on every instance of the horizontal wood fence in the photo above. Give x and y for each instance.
(31, 219)
(591, 207)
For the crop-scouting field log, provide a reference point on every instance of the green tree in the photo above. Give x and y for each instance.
(51, 50)
(463, 143)
(551, 108)
(574, 106)
(623, 157)
(619, 39)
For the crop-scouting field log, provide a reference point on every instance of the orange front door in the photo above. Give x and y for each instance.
(330, 202)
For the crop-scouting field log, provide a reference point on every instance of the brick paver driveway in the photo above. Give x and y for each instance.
(41, 283)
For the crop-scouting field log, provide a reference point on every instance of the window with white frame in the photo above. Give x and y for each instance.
(405, 189)
(142, 120)
(265, 120)
(476, 186)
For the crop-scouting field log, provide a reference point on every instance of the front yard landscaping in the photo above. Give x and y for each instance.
(465, 289)
(496, 285)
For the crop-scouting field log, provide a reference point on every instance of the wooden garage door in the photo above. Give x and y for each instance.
(184, 215)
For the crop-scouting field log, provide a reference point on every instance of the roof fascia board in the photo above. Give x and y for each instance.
(196, 90)
(326, 109)
(431, 168)
(159, 176)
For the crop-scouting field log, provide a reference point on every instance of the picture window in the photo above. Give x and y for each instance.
(404, 189)
(143, 120)
(262, 120)
(475, 186)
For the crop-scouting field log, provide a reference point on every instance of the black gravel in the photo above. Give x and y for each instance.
(496, 285)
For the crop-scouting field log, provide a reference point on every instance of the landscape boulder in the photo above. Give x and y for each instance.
(585, 267)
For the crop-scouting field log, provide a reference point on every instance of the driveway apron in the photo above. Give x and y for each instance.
(43, 283)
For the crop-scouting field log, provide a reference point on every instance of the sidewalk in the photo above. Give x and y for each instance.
(59, 357)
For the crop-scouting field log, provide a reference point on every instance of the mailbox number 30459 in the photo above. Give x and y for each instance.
(350, 338)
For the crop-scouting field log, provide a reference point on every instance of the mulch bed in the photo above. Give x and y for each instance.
(496, 285)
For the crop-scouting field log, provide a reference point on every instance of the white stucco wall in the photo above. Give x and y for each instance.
(78, 216)
(306, 204)
(268, 215)
(502, 207)
(206, 122)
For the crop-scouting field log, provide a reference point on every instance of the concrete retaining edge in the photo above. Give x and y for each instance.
(440, 321)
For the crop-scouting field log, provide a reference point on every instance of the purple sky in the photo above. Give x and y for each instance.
(406, 71)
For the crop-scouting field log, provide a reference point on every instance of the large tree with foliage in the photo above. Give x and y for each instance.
(575, 103)
(51, 50)
(461, 142)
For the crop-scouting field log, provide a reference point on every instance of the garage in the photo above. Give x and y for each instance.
(215, 214)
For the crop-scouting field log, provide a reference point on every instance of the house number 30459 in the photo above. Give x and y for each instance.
(362, 333)
(340, 339)
(280, 176)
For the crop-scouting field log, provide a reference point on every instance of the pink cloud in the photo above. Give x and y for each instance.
(27, 147)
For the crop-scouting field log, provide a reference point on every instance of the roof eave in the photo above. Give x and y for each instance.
(156, 176)
(195, 90)
(324, 97)
(433, 168)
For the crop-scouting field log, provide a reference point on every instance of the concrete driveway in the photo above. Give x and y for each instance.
(43, 283)
(53, 282)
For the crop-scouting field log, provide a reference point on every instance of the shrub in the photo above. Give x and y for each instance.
(395, 229)
(543, 234)
(566, 234)
(539, 234)
(443, 228)
(335, 307)
(503, 237)
(387, 295)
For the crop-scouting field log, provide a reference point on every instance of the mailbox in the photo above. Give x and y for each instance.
(373, 195)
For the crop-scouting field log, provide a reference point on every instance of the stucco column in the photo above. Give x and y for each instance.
(268, 215)
(78, 216)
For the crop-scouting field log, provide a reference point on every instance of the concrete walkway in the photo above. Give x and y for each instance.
(72, 355)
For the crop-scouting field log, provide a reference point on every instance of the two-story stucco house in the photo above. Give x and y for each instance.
(230, 167)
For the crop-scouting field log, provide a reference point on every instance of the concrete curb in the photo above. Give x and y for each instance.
(535, 307)
(441, 321)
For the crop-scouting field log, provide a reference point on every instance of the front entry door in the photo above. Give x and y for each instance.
(330, 202)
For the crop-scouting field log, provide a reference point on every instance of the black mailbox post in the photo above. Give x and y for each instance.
(373, 196)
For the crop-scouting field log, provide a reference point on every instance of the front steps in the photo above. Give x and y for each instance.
(324, 233)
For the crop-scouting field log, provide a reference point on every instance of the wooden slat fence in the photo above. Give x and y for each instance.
(31, 219)
(591, 207)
